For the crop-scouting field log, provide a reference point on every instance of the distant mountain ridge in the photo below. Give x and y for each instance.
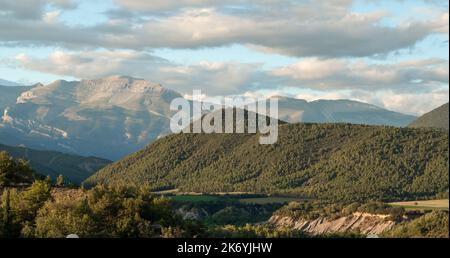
(109, 117)
(438, 118)
(118, 115)
(9, 83)
(338, 111)
(74, 168)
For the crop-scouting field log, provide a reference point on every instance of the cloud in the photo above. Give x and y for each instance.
(332, 74)
(51, 17)
(441, 25)
(414, 103)
(94, 64)
(294, 28)
(302, 28)
(213, 78)
(168, 5)
(326, 76)
(327, 37)
(408, 103)
(418, 103)
(176, 5)
(31, 9)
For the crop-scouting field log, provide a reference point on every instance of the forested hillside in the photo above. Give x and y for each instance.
(74, 168)
(431, 225)
(328, 161)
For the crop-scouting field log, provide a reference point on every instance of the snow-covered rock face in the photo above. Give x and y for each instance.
(109, 117)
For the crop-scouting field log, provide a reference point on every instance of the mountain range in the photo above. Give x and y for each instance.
(109, 117)
(118, 115)
(9, 83)
(338, 111)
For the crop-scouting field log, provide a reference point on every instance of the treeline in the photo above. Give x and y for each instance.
(339, 162)
(432, 225)
(34, 207)
(43, 212)
(227, 211)
(311, 210)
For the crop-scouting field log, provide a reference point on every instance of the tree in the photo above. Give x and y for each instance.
(27, 203)
(13, 171)
(65, 216)
(60, 181)
(5, 168)
(6, 215)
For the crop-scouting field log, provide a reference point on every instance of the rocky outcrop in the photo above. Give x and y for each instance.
(364, 223)
(192, 213)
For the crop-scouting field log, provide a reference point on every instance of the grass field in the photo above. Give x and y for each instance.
(172, 191)
(421, 205)
(195, 198)
(245, 200)
(269, 200)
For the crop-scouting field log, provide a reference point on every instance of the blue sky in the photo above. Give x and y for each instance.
(389, 53)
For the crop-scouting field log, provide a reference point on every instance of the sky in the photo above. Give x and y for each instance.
(393, 54)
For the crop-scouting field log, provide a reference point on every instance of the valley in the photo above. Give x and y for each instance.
(224, 128)
(332, 173)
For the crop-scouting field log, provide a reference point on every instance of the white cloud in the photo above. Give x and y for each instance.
(414, 103)
(410, 87)
(174, 5)
(213, 78)
(31, 9)
(51, 17)
(298, 32)
(293, 28)
(350, 74)
(408, 103)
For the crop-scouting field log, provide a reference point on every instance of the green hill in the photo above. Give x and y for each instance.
(74, 168)
(437, 118)
(331, 161)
